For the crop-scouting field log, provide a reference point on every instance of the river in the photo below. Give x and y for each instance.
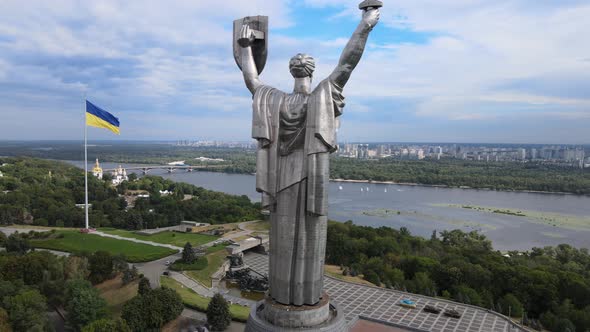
(550, 219)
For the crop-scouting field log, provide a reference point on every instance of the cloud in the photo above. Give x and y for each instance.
(428, 62)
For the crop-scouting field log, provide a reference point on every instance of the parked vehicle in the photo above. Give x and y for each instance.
(166, 273)
(452, 313)
(407, 303)
(167, 263)
(432, 309)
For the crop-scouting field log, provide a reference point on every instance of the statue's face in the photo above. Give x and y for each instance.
(301, 65)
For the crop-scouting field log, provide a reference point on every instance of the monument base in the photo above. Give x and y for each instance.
(270, 316)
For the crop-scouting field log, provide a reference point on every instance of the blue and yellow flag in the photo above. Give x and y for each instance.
(97, 117)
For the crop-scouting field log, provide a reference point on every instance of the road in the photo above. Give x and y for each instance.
(10, 230)
(154, 269)
(195, 318)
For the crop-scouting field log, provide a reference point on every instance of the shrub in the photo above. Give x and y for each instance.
(218, 315)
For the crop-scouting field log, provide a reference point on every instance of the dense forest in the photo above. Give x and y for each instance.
(45, 193)
(446, 172)
(474, 174)
(33, 283)
(548, 286)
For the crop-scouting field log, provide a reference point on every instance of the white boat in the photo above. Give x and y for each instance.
(340, 188)
(385, 190)
(367, 188)
(362, 189)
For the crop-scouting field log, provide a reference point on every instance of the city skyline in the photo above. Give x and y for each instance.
(440, 71)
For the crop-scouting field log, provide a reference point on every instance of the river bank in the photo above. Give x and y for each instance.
(337, 180)
(455, 187)
(425, 208)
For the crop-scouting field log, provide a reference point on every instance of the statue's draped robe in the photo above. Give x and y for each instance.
(296, 134)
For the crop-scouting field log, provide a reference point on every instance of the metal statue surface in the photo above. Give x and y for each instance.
(259, 43)
(296, 132)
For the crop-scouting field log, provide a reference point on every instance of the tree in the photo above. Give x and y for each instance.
(152, 310)
(120, 263)
(144, 286)
(511, 305)
(129, 274)
(218, 315)
(372, 277)
(3, 239)
(188, 255)
(17, 243)
(76, 267)
(132, 177)
(107, 325)
(170, 303)
(564, 325)
(27, 310)
(101, 266)
(133, 313)
(83, 304)
(421, 284)
(4, 321)
(467, 295)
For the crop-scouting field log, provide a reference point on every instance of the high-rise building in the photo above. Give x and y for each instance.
(420, 154)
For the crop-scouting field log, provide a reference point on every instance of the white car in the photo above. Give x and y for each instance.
(167, 263)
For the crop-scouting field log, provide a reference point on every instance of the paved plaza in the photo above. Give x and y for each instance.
(382, 304)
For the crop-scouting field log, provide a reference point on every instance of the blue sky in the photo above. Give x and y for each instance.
(434, 70)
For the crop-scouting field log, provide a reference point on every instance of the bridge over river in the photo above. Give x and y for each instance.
(169, 168)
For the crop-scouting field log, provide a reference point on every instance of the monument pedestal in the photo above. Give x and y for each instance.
(270, 316)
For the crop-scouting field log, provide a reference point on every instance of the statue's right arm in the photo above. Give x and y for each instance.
(249, 69)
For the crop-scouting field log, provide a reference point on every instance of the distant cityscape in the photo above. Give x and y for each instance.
(217, 144)
(555, 154)
(561, 155)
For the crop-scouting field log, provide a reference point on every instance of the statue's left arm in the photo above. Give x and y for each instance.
(355, 47)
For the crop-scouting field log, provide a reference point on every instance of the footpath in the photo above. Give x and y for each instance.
(99, 233)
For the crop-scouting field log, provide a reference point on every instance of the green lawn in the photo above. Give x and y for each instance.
(198, 264)
(214, 263)
(174, 238)
(216, 248)
(261, 226)
(74, 241)
(200, 303)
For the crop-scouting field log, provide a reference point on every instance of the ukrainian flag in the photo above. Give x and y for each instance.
(97, 117)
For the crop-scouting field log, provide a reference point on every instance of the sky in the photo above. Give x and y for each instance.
(506, 71)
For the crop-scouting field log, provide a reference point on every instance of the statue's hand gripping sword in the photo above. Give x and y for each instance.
(370, 4)
(256, 34)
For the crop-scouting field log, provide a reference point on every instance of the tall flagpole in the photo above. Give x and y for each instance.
(85, 164)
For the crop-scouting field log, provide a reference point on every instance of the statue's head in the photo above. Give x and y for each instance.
(302, 65)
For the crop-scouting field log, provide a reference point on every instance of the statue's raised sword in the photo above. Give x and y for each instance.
(369, 4)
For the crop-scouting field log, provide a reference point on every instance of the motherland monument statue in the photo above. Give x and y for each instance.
(296, 133)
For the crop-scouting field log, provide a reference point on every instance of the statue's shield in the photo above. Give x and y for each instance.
(259, 24)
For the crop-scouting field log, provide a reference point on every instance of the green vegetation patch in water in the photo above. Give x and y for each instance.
(387, 213)
(539, 217)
